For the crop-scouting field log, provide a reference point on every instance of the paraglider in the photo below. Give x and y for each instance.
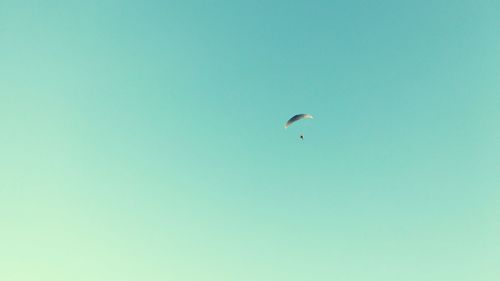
(296, 118)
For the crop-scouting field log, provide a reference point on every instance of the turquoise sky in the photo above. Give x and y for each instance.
(144, 140)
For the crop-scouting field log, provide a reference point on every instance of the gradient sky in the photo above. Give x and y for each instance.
(144, 140)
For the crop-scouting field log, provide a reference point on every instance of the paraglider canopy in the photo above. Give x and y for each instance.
(297, 118)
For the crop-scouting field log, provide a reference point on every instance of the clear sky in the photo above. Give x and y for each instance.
(144, 140)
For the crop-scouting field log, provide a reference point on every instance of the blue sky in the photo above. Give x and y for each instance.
(146, 140)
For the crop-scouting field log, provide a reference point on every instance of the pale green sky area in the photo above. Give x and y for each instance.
(144, 140)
